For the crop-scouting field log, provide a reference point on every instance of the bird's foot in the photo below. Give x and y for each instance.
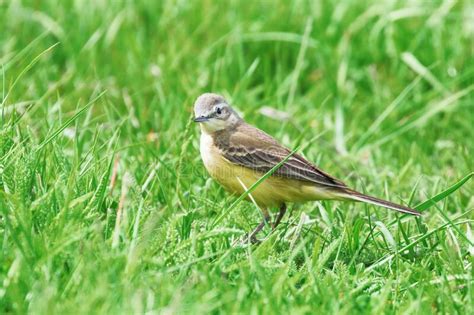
(252, 237)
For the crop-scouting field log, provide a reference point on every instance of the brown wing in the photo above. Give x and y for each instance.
(250, 147)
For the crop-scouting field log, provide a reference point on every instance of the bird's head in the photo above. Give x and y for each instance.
(214, 113)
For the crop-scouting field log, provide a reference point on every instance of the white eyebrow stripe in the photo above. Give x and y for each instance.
(221, 104)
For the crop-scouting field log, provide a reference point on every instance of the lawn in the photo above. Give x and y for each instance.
(105, 205)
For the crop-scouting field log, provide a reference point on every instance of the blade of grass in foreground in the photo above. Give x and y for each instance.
(269, 173)
(252, 188)
(428, 203)
(423, 206)
(442, 195)
(432, 201)
(69, 121)
(406, 247)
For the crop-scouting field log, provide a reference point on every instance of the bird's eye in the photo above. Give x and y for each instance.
(218, 110)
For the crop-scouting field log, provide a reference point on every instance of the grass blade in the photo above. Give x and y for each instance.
(252, 188)
(25, 70)
(428, 203)
(423, 71)
(68, 122)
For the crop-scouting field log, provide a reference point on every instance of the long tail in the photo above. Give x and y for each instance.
(357, 196)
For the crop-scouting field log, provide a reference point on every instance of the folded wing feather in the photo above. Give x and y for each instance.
(261, 152)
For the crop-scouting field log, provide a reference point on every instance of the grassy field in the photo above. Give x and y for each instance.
(105, 205)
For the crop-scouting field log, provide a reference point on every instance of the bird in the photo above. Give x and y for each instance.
(237, 154)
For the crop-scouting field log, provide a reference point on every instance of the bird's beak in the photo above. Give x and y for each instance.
(201, 119)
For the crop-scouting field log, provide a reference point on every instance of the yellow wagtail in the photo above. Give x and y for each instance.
(237, 155)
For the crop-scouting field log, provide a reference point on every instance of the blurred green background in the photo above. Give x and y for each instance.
(106, 206)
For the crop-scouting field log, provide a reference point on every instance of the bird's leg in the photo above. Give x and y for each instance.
(280, 215)
(253, 235)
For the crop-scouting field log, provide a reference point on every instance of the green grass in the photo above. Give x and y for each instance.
(105, 206)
